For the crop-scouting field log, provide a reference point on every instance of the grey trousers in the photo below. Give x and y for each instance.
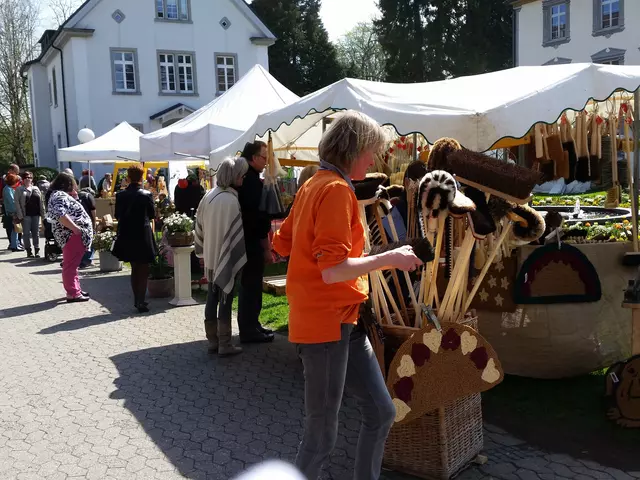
(31, 229)
(328, 367)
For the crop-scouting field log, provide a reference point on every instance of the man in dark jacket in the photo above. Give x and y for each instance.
(257, 226)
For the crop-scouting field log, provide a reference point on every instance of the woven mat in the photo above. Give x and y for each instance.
(433, 368)
(623, 396)
(552, 275)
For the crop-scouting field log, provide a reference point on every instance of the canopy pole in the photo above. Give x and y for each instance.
(415, 147)
(636, 162)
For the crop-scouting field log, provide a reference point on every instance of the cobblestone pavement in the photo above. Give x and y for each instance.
(92, 391)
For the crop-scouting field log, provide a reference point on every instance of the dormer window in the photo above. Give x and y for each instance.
(556, 29)
(173, 10)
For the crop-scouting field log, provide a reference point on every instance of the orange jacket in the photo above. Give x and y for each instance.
(322, 230)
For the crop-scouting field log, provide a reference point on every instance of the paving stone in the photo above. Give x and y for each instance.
(97, 391)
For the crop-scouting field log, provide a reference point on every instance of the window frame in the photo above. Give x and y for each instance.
(179, 19)
(54, 79)
(136, 71)
(547, 28)
(604, 57)
(50, 94)
(176, 69)
(218, 55)
(598, 30)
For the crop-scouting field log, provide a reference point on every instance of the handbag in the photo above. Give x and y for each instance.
(17, 227)
(270, 202)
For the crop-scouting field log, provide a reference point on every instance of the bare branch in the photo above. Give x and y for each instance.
(360, 53)
(63, 9)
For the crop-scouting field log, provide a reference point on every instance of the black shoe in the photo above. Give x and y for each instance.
(257, 337)
(37, 255)
(81, 298)
(85, 294)
(142, 307)
(268, 331)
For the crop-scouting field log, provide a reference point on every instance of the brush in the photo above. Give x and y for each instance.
(481, 222)
(494, 176)
(583, 167)
(394, 191)
(421, 247)
(367, 189)
(440, 152)
(528, 225)
(569, 146)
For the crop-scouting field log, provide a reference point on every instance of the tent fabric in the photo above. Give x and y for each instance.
(476, 110)
(122, 141)
(219, 122)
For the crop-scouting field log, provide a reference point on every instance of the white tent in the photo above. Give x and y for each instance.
(476, 110)
(121, 142)
(221, 121)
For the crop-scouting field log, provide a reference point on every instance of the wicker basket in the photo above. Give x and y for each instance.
(180, 239)
(440, 444)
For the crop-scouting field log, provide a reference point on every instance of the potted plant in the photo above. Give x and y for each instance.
(102, 243)
(160, 284)
(179, 228)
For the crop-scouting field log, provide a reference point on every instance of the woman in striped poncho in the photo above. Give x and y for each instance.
(219, 240)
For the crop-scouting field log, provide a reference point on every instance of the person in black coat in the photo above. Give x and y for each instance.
(134, 242)
(257, 225)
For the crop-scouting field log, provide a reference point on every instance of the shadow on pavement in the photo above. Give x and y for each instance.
(213, 417)
(107, 291)
(31, 308)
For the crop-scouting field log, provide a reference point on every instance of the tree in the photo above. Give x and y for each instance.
(360, 53)
(426, 40)
(62, 10)
(18, 22)
(302, 59)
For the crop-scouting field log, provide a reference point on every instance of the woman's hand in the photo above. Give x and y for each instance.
(75, 230)
(403, 258)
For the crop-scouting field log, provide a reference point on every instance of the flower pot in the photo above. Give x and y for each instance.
(180, 239)
(160, 287)
(108, 262)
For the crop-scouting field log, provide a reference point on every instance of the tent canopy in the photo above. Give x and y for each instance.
(122, 141)
(475, 110)
(221, 121)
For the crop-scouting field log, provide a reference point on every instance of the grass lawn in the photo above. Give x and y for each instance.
(563, 416)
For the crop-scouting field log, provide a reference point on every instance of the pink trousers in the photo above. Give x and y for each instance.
(72, 254)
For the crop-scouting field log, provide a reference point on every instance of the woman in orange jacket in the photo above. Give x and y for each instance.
(324, 238)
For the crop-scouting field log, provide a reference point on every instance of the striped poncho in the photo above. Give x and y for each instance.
(219, 237)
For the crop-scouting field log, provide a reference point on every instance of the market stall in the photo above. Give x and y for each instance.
(481, 244)
(224, 119)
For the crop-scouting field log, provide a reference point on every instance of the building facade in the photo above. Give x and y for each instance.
(147, 62)
(549, 32)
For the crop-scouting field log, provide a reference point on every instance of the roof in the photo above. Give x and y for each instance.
(177, 106)
(267, 38)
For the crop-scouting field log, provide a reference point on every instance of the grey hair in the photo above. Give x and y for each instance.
(348, 137)
(229, 170)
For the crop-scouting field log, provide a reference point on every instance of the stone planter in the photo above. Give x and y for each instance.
(180, 239)
(160, 287)
(108, 262)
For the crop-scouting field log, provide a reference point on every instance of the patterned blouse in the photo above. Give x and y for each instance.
(61, 204)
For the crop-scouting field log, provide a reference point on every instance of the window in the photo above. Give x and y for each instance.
(55, 87)
(59, 138)
(556, 22)
(609, 56)
(173, 10)
(608, 17)
(50, 94)
(558, 61)
(124, 68)
(226, 71)
(177, 72)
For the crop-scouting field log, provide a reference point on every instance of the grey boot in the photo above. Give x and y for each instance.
(225, 347)
(211, 330)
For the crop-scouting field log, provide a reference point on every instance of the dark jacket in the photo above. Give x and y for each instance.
(134, 211)
(256, 223)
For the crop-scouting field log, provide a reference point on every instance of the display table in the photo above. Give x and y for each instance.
(182, 276)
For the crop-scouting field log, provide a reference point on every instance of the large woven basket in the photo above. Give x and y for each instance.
(441, 443)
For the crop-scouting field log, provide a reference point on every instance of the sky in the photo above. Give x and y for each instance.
(339, 16)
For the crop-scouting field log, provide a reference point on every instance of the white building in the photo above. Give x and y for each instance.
(548, 32)
(147, 62)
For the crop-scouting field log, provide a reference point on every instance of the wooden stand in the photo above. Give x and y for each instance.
(182, 276)
(635, 327)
